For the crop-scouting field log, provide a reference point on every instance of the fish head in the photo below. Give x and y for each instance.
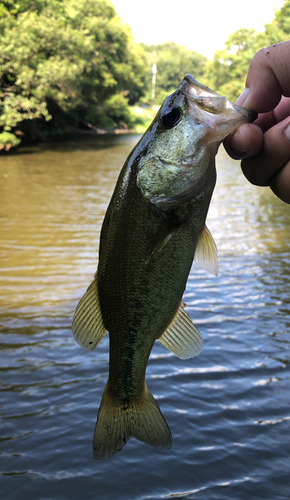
(185, 135)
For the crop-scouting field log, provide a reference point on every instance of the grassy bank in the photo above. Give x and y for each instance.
(143, 117)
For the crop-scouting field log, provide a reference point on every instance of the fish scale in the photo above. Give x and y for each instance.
(153, 229)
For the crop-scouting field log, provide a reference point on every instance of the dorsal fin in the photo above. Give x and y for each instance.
(88, 327)
(182, 337)
(206, 252)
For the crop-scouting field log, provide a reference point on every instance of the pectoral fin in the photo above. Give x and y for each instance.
(88, 327)
(206, 252)
(182, 337)
(165, 232)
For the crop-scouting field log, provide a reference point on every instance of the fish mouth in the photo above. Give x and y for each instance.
(209, 100)
(251, 115)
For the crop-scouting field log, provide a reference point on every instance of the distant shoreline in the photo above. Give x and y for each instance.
(102, 131)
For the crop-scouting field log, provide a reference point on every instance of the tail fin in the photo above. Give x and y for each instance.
(116, 423)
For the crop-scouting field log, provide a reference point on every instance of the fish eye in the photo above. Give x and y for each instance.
(170, 116)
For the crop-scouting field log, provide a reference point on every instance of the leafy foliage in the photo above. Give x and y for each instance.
(173, 61)
(73, 63)
(68, 62)
(228, 70)
(279, 29)
(8, 140)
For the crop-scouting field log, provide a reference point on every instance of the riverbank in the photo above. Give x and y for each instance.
(141, 119)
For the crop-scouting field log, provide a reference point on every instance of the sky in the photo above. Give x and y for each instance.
(200, 25)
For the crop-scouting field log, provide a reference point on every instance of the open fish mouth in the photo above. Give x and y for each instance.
(211, 101)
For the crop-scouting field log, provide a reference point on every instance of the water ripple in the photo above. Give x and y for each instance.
(228, 409)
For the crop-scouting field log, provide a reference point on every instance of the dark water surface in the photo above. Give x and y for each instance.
(228, 409)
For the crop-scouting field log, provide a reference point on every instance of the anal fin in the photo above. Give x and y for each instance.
(182, 337)
(88, 327)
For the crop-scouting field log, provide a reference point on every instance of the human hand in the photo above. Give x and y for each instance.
(264, 146)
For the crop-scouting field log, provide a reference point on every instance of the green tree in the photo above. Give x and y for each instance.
(279, 29)
(64, 64)
(173, 62)
(227, 72)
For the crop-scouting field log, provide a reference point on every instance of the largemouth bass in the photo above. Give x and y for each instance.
(153, 229)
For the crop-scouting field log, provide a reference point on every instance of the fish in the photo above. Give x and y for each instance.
(154, 227)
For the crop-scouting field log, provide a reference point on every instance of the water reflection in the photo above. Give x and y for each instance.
(247, 218)
(228, 409)
(51, 212)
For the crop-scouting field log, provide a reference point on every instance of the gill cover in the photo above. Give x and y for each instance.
(189, 128)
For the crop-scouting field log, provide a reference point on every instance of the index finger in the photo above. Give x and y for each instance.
(268, 78)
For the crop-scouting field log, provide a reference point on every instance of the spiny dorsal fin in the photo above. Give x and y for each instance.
(88, 327)
(166, 230)
(206, 252)
(182, 337)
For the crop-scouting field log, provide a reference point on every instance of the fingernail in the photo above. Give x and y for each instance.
(287, 132)
(243, 97)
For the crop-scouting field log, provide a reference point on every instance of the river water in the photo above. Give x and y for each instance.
(228, 409)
